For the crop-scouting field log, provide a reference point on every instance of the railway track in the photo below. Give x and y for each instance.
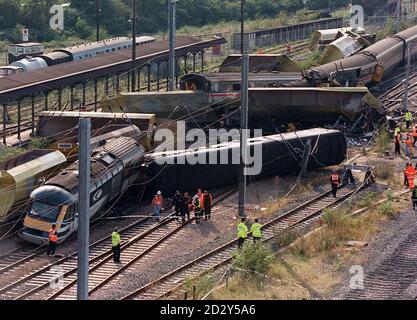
(140, 248)
(395, 277)
(102, 270)
(19, 257)
(41, 277)
(298, 218)
(25, 254)
(394, 91)
(139, 240)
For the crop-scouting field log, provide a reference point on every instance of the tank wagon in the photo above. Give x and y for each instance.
(281, 154)
(113, 170)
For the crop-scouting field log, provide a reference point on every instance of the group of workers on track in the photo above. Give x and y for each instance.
(409, 139)
(200, 204)
(183, 204)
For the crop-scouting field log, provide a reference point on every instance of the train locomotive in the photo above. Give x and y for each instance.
(113, 170)
(373, 63)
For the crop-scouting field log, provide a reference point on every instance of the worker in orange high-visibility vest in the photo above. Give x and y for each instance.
(289, 49)
(335, 182)
(405, 174)
(411, 174)
(157, 203)
(409, 146)
(53, 239)
(414, 134)
(397, 143)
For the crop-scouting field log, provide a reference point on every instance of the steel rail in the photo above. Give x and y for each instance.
(46, 268)
(139, 255)
(222, 254)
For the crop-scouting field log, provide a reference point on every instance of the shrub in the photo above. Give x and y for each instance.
(338, 229)
(300, 248)
(203, 285)
(368, 199)
(38, 144)
(10, 152)
(253, 259)
(283, 18)
(311, 61)
(286, 239)
(381, 141)
(324, 240)
(383, 172)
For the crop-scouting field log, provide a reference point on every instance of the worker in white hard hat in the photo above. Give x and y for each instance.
(157, 203)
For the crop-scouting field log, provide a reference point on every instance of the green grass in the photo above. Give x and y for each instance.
(382, 141)
(311, 61)
(7, 153)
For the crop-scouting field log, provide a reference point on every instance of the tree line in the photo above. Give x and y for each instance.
(80, 15)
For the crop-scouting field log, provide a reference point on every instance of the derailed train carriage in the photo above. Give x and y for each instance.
(113, 170)
(20, 175)
(121, 163)
(281, 154)
(372, 64)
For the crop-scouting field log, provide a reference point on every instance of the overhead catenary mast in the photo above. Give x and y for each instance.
(243, 133)
(83, 208)
(133, 75)
(172, 31)
(242, 26)
(98, 20)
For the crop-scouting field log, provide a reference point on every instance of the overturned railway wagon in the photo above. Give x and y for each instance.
(69, 145)
(311, 105)
(281, 154)
(19, 176)
(58, 126)
(375, 62)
